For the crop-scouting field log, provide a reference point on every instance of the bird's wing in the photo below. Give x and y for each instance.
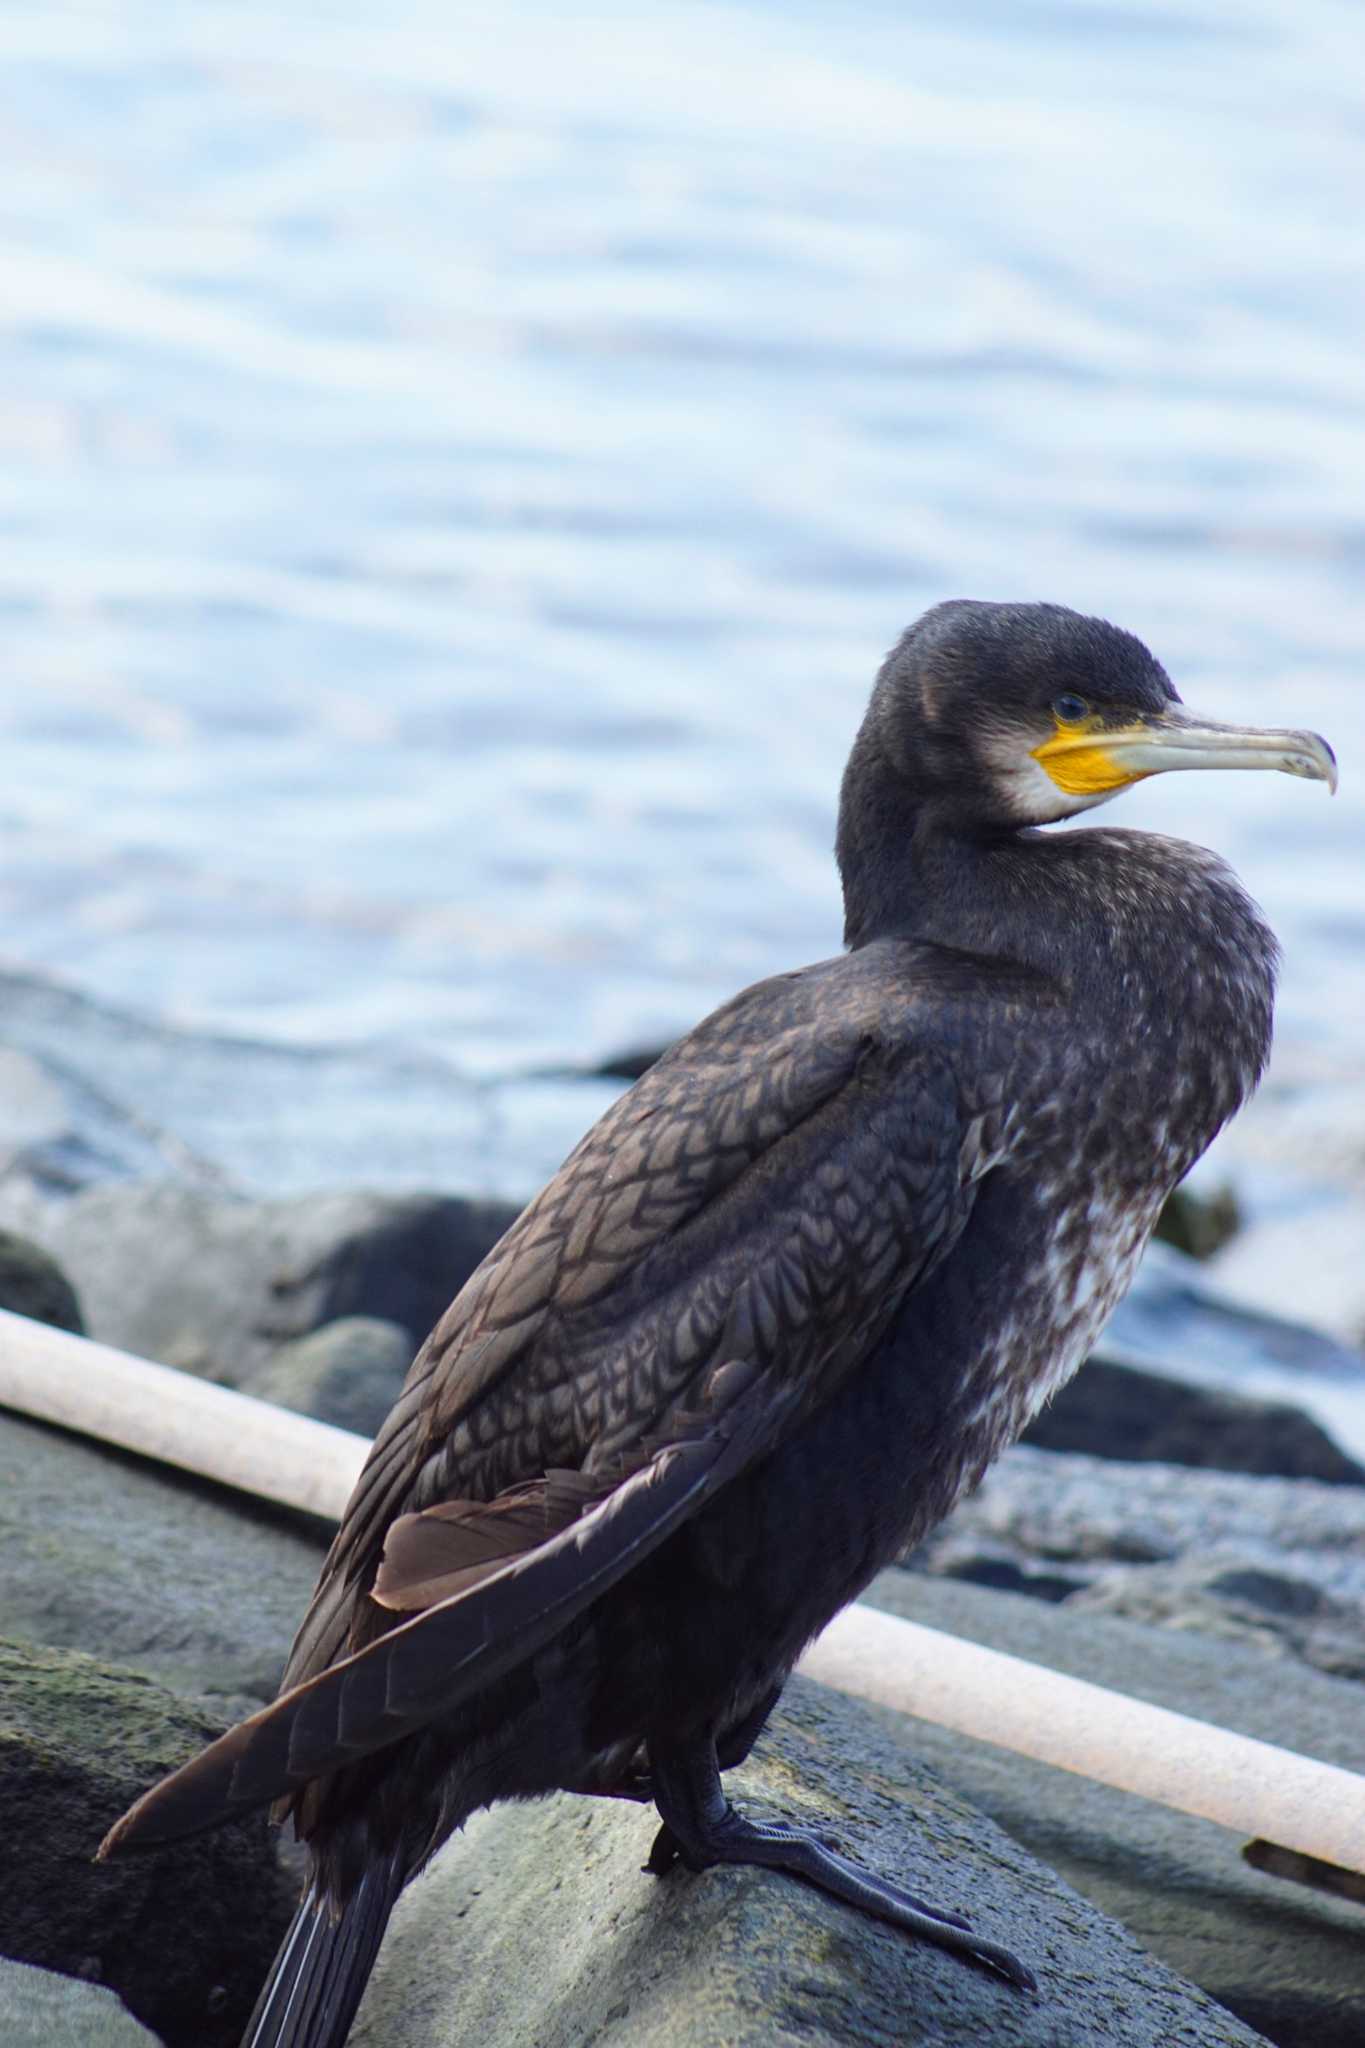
(707, 1128)
(424, 1667)
(805, 1164)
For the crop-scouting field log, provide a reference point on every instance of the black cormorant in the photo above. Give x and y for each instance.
(779, 1309)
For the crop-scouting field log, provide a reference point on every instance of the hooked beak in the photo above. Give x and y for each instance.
(1091, 762)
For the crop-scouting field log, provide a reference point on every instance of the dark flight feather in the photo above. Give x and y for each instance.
(427, 1665)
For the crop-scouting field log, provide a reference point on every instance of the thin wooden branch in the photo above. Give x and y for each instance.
(1291, 1802)
(172, 1416)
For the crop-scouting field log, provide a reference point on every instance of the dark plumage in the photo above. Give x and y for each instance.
(779, 1308)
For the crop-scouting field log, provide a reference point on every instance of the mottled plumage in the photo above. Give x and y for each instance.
(779, 1308)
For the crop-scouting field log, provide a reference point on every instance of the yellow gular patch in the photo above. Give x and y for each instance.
(1078, 761)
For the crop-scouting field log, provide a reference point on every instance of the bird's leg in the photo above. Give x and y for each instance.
(702, 1828)
(734, 1744)
(732, 1747)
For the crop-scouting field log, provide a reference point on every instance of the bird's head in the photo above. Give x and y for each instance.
(996, 716)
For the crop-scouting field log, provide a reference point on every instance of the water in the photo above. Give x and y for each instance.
(459, 472)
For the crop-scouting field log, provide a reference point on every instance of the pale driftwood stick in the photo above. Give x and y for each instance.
(1259, 1790)
(173, 1416)
(1292, 1801)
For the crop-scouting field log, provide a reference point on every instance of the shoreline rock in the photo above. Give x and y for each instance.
(33, 1284)
(1136, 1416)
(1275, 1562)
(153, 1570)
(243, 1292)
(88, 1530)
(347, 1372)
(1285, 1957)
(183, 1935)
(215, 1283)
(91, 1092)
(319, 1300)
(39, 2009)
(753, 1959)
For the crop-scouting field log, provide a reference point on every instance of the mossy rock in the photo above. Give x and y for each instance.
(184, 1935)
(1199, 1224)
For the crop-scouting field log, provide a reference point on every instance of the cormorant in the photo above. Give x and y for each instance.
(779, 1309)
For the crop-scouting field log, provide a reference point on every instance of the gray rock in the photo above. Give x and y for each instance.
(183, 1935)
(89, 1092)
(1276, 1562)
(1123, 1412)
(629, 1063)
(1284, 1957)
(33, 1284)
(87, 1532)
(1277, 1607)
(537, 1925)
(41, 2010)
(178, 1580)
(1299, 1160)
(1179, 1321)
(214, 1283)
(58, 1131)
(348, 1372)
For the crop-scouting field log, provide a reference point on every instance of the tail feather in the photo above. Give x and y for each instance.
(319, 1976)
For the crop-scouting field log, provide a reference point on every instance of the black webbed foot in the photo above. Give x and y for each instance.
(701, 1828)
(666, 1850)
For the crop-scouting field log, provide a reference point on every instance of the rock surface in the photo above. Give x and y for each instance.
(751, 1959)
(1120, 1411)
(39, 2009)
(1179, 1321)
(183, 1935)
(106, 1553)
(215, 1283)
(1284, 1957)
(33, 1284)
(1276, 1562)
(91, 1092)
(224, 1286)
(1199, 1221)
(112, 1191)
(88, 1531)
(1244, 1578)
(348, 1373)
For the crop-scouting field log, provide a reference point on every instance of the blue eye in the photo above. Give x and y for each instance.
(1070, 710)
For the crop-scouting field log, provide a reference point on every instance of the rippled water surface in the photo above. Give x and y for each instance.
(461, 469)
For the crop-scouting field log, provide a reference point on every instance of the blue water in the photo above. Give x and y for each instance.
(459, 471)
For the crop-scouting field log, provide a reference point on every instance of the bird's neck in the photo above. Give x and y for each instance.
(1155, 949)
(1017, 898)
(903, 877)
(1118, 917)
(911, 869)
